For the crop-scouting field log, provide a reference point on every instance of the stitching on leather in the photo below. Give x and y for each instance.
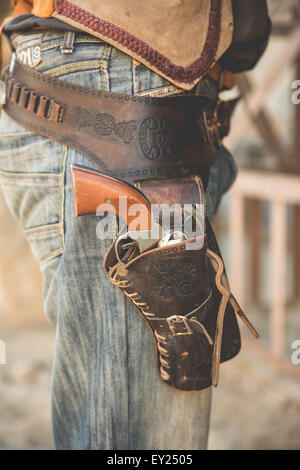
(201, 192)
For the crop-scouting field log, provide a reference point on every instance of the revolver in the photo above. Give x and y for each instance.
(92, 188)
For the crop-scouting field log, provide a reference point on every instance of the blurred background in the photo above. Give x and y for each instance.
(257, 403)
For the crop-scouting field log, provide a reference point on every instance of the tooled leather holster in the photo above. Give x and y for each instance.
(164, 147)
(184, 296)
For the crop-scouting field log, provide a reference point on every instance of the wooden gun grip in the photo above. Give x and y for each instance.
(92, 189)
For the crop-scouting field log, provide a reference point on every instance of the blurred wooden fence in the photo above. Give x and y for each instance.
(281, 188)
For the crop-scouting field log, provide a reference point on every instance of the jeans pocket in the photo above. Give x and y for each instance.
(32, 171)
(85, 63)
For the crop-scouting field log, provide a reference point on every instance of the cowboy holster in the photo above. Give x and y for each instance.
(184, 296)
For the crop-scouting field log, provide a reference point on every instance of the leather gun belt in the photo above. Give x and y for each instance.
(164, 147)
(130, 137)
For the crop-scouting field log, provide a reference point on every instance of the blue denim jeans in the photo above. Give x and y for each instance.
(106, 388)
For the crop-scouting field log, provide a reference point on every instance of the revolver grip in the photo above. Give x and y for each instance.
(92, 189)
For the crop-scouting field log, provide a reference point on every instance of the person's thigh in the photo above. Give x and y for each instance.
(106, 389)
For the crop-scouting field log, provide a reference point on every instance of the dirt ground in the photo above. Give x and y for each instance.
(253, 407)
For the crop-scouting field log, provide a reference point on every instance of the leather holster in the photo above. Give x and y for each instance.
(184, 296)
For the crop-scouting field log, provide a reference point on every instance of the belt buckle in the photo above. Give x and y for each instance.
(181, 319)
(212, 126)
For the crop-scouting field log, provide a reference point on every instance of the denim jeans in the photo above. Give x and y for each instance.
(106, 388)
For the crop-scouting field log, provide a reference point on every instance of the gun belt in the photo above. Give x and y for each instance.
(130, 137)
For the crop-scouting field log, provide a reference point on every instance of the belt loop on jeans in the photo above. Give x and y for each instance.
(68, 46)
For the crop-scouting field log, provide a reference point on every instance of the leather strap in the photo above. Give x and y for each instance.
(133, 138)
(224, 78)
